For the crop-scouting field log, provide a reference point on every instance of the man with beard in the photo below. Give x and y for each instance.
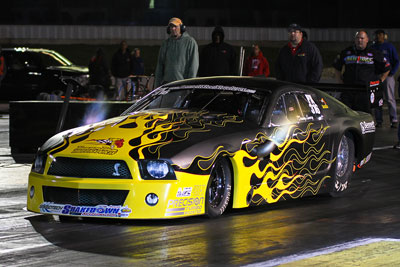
(217, 58)
(299, 61)
(362, 64)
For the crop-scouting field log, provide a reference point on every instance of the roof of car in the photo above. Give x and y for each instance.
(235, 81)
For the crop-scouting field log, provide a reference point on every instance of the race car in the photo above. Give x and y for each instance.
(201, 146)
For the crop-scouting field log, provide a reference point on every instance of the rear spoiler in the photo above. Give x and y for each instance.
(373, 89)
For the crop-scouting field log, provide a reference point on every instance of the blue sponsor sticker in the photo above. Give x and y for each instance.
(89, 211)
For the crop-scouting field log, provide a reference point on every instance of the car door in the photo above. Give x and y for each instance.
(302, 156)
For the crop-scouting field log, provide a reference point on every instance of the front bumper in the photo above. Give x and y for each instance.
(176, 198)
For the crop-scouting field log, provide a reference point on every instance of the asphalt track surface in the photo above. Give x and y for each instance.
(359, 229)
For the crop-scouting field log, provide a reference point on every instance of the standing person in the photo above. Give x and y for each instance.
(99, 73)
(3, 68)
(299, 60)
(121, 69)
(217, 58)
(362, 64)
(178, 58)
(137, 62)
(390, 53)
(256, 64)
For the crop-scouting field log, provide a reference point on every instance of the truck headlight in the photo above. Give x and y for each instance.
(156, 170)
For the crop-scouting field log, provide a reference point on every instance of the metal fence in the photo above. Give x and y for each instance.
(90, 34)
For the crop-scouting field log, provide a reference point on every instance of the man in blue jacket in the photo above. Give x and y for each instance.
(390, 53)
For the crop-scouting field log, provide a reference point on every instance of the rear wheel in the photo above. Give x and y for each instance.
(219, 188)
(344, 165)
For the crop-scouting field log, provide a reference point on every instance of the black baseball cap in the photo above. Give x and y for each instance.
(295, 27)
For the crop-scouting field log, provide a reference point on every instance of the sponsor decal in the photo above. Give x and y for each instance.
(95, 150)
(101, 146)
(314, 107)
(367, 127)
(116, 211)
(184, 206)
(184, 192)
(365, 160)
(111, 142)
(324, 104)
(372, 97)
(190, 202)
(301, 54)
(374, 83)
(214, 87)
(196, 191)
(353, 59)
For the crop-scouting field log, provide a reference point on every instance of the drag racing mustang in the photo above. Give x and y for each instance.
(200, 146)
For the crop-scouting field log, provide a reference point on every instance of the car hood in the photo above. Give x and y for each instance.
(175, 135)
(71, 68)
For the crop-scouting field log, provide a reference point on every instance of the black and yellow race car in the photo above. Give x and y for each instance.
(200, 146)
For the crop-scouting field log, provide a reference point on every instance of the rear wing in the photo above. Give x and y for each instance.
(374, 90)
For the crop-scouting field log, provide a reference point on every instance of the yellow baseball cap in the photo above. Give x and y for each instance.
(175, 21)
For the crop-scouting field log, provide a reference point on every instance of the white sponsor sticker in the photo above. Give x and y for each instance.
(184, 192)
(367, 127)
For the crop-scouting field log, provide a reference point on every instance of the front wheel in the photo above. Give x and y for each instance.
(344, 165)
(219, 188)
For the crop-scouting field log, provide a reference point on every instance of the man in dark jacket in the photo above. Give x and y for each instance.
(99, 74)
(362, 64)
(299, 60)
(217, 58)
(121, 69)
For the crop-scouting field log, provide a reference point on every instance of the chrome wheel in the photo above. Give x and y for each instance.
(342, 162)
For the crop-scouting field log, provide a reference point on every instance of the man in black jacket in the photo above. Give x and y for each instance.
(121, 69)
(299, 60)
(362, 64)
(217, 58)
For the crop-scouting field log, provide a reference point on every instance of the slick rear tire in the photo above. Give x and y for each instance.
(343, 166)
(219, 188)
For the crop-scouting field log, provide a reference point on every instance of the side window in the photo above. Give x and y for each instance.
(255, 104)
(286, 110)
(278, 116)
(292, 108)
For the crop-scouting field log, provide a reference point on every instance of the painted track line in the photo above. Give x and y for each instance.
(324, 251)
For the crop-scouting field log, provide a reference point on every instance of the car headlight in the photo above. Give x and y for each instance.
(156, 170)
(39, 163)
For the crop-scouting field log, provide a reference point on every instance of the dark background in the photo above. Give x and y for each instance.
(249, 13)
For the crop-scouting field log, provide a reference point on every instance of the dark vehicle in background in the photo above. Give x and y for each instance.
(35, 72)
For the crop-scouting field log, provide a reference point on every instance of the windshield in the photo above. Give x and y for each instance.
(245, 103)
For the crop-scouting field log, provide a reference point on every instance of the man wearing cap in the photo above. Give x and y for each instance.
(362, 65)
(390, 53)
(178, 58)
(299, 60)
